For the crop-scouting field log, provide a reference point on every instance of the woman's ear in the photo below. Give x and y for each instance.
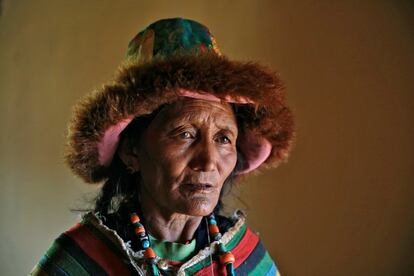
(128, 153)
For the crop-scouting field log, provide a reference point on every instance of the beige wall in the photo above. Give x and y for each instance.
(341, 206)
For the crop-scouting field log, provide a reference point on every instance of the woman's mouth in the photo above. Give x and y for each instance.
(198, 187)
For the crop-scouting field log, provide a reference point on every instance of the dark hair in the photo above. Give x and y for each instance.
(120, 193)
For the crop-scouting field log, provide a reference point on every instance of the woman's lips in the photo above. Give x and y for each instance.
(198, 187)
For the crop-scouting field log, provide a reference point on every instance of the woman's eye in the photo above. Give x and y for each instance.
(186, 135)
(223, 140)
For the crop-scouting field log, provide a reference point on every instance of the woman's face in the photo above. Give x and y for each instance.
(185, 155)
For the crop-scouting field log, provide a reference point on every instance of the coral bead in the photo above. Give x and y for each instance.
(134, 218)
(213, 228)
(226, 258)
(149, 253)
(139, 230)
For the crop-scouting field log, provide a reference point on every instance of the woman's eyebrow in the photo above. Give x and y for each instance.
(228, 129)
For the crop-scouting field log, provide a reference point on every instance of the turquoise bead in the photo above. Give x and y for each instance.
(222, 248)
(154, 270)
(145, 244)
(230, 269)
(138, 224)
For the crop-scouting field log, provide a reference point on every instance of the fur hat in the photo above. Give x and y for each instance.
(175, 58)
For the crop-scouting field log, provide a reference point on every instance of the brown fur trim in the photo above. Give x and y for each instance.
(139, 89)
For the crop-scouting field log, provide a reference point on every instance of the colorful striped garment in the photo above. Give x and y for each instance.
(91, 248)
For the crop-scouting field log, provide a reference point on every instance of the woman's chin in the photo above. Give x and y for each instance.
(199, 207)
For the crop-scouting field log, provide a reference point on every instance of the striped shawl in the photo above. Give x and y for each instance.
(91, 248)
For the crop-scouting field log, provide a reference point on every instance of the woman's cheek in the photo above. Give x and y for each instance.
(174, 163)
(229, 155)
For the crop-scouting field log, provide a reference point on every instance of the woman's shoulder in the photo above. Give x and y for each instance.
(251, 256)
(88, 248)
(248, 248)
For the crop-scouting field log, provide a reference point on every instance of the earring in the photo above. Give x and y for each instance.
(131, 169)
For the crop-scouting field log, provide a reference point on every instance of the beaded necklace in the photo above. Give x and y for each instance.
(154, 265)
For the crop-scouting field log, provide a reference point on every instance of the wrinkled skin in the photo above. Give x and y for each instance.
(187, 152)
(184, 157)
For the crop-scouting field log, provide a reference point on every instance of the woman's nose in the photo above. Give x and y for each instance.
(204, 157)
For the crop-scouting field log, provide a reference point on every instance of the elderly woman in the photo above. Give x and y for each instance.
(178, 125)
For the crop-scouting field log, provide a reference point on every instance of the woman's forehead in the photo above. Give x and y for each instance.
(189, 109)
(193, 102)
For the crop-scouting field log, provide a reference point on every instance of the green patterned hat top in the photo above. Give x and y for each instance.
(168, 37)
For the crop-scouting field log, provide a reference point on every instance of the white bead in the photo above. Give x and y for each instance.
(162, 264)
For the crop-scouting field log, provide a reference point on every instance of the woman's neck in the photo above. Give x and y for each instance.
(168, 226)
